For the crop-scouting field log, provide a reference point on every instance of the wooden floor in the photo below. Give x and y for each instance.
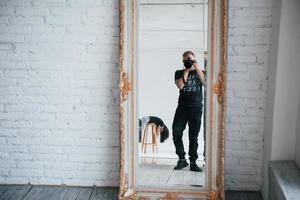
(237, 195)
(165, 175)
(29, 192)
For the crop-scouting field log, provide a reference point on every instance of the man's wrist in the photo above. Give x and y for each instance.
(198, 67)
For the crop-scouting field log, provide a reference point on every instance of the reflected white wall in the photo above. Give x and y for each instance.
(166, 30)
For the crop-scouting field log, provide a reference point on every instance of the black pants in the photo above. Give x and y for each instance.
(192, 117)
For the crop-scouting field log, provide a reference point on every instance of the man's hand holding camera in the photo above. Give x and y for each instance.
(199, 72)
(190, 65)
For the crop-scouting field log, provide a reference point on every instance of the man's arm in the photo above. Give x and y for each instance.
(179, 81)
(200, 73)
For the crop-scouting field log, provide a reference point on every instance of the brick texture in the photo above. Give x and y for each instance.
(59, 94)
(248, 54)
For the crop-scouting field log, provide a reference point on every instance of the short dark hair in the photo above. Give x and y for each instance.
(164, 134)
(186, 53)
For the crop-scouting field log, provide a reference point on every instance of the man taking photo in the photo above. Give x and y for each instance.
(189, 110)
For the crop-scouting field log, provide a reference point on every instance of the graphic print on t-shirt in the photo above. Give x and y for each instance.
(191, 93)
(193, 84)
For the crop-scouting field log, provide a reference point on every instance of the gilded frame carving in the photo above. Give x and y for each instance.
(218, 56)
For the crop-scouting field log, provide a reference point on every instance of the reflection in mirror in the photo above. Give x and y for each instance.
(172, 46)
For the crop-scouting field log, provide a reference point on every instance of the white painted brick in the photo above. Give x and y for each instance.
(243, 85)
(45, 181)
(234, 60)
(56, 108)
(27, 132)
(53, 20)
(50, 157)
(6, 11)
(69, 12)
(249, 35)
(250, 3)
(14, 148)
(15, 29)
(26, 172)
(28, 20)
(4, 172)
(10, 116)
(3, 20)
(16, 73)
(247, 21)
(15, 65)
(7, 3)
(31, 165)
(87, 3)
(22, 108)
(99, 11)
(59, 173)
(247, 12)
(25, 11)
(245, 171)
(11, 90)
(3, 140)
(2, 109)
(7, 165)
(250, 50)
(21, 156)
(6, 46)
(49, 3)
(11, 38)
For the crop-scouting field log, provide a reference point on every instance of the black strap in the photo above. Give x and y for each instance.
(184, 82)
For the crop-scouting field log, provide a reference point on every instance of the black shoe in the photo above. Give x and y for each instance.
(181, 163)
(194, 167)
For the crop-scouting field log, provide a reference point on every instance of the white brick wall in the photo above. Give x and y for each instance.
(248, 54)
(59, 94)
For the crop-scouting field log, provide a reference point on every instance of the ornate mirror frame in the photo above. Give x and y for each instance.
(215, 119)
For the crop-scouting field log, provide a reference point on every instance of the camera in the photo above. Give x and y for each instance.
(188, 63)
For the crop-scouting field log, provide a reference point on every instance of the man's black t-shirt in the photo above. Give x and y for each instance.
(191, 93)
(156, 120)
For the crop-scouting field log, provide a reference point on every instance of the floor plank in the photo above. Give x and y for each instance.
(104, 193)
(162, 175)
(254, 195)
(242, 195)
(58, 193)
(85, 193)
(19, 193)
(48, 192)
(2, 188)
(36, 192)
(8, 192)
(72, 193)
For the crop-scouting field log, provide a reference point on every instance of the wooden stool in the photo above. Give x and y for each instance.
(154, 138)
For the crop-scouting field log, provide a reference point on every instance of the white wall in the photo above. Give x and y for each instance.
(162, 40)
(248, 52)
(287, 82)
(59, 91)
(284, 85)
(298, 134)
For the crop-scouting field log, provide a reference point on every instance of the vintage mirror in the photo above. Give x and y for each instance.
(173, 61)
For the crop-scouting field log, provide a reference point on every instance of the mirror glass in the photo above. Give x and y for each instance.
(171, 104)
